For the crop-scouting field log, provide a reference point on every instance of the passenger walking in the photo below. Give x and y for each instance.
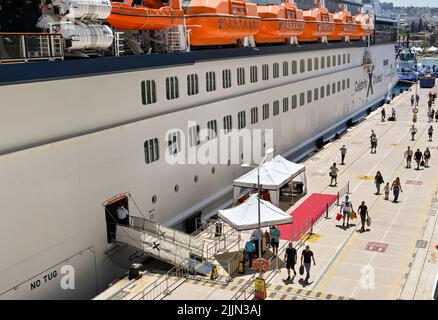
(393, 114)
(373, 134)
(436, 116)
(413, 132)
(378, 180)
(417, 99)
(291, 260)
(257, 235)
(426, 157)
(383, 112)
(334, 174)
(363, 212)
(346, 209)
(373, 144)
(408, 156)
(412, 100)
(306, 260)
(275, 239)
(414, 117)
(387, 191)
(418, 157)
(430, 133)
(396, 188)
(250, 249)
(343, 153)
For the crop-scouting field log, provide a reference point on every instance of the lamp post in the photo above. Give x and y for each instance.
(246, 165)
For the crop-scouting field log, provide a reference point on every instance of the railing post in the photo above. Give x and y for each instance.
(327, 211)
(337, 199)
(348, 187)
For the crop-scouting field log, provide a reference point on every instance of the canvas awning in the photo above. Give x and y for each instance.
(245, 215)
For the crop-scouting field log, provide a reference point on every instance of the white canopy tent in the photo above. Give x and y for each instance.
(417, 49)
(432, 49)
(273, 175)
(245, 215)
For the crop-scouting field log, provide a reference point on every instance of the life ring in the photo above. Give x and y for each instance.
(262, 264)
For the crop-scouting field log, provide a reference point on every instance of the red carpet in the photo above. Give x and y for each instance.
(312, 208)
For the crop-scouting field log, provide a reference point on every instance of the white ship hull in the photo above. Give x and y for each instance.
(69, 145)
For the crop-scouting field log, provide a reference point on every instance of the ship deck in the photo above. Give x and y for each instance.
(397, 258)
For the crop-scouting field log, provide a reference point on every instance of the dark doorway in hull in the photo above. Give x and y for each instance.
(190, 223)
(111, 218)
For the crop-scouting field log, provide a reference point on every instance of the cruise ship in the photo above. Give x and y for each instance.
(98, 99)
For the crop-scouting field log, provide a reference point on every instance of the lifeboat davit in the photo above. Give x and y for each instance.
(345, 26)
(221, 22)
(319, 24)
(279, 23)
(149, 16)
(365, 25)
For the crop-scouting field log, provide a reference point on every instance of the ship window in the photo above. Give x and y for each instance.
(329, 61)
(294, 101)
(316, 63)
(328, 90)
(294, 67)
(343, 84)
(339, 59)
(265, 111)
(302, 98)
(174, 142)
(212, 129)
(309, 96)
(316, 94)
(265, 72)
(309, 64)
(210, 81)
(285, 68)
(253, 74)
(302, 66)
(192, 84)
(285, 104)
(194, 135)
(254, 115)
(322, 62)
(322, 92)
(228, 125)
(348, 58)
(339, 86)
(344, 59)
(276, 70)
(151, 150)
(334, 60)
(348, 83)
(385, 62)
(241, 119)
(276, 107)
(240, 76)
(148, 92)
(172, 91)
(333, 88)
(226, 78)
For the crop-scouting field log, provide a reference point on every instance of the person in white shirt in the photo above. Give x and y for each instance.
(123, 215)
(256, 235)
(346, 209)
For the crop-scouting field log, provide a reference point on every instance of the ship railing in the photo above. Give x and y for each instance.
(25, 47)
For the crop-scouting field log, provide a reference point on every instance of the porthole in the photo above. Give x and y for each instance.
(176, 188)
(154, 199)
(196, 178)
(213, 170)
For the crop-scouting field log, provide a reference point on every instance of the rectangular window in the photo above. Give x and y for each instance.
(309, 96)
(385, 62)
(322, 62)
(148, 92)
(302, 66)
(151, 150)
(329, 61)
(240, 76)
(348, 83)
(210, 80)
(344, 58)
(328, 90)
(316, 64)
(265, 72)
(192, 84)
(294, 101)
(285, 104)
(254, 115)
(265, 111)
(348, 58)
(315, 94)
(294, 67)
(302, 98)
(339, 86)
(212, 129)
(334, 60)
(339, 59)
(322, 92)
(194, 135)
(228, 125)
(241, 120)
(333, 87)
(343, 84)
(172, 90)
(285, 68)
(276, 107)
(309, 64)
(226, 78)
(174, 142)
(253, 74)
(276, 70)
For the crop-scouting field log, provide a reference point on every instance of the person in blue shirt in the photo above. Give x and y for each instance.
(275, 239)
(250, 249)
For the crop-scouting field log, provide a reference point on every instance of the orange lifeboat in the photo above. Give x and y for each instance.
(221, 22)
(319, 24)
(149, 16)
(345, 26)
(279, 23)
(365, 25)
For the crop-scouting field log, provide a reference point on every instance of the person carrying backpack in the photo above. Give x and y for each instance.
(250, 250)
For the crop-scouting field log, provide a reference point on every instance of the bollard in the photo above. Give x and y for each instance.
(337, 199)
(348, 187)
(327, 211)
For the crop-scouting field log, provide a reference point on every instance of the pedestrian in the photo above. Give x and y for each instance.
(387, 191)
(363, 212)
(346, 209)
(378, 180)
(426, 157)
(291, 260)
(417, 99)
(383, 112)
(306, 260)
(257, 236)
(250, 249)
(373, 134)
(275, 239)
(408, 156)
(334, 174)
(373, 144)
(413, 132)
(122, 215)
(433, 114)
(393, 114)
(343, 153)
(396, 188)
(414, 117)
(436, 116)
(412, 100)
(429, 105)
(430, 133)
(418, 157)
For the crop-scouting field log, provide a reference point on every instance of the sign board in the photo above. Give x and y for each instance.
(260, 289)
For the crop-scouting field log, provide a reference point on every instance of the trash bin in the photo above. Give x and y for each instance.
(218, 232)
(134, 270)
